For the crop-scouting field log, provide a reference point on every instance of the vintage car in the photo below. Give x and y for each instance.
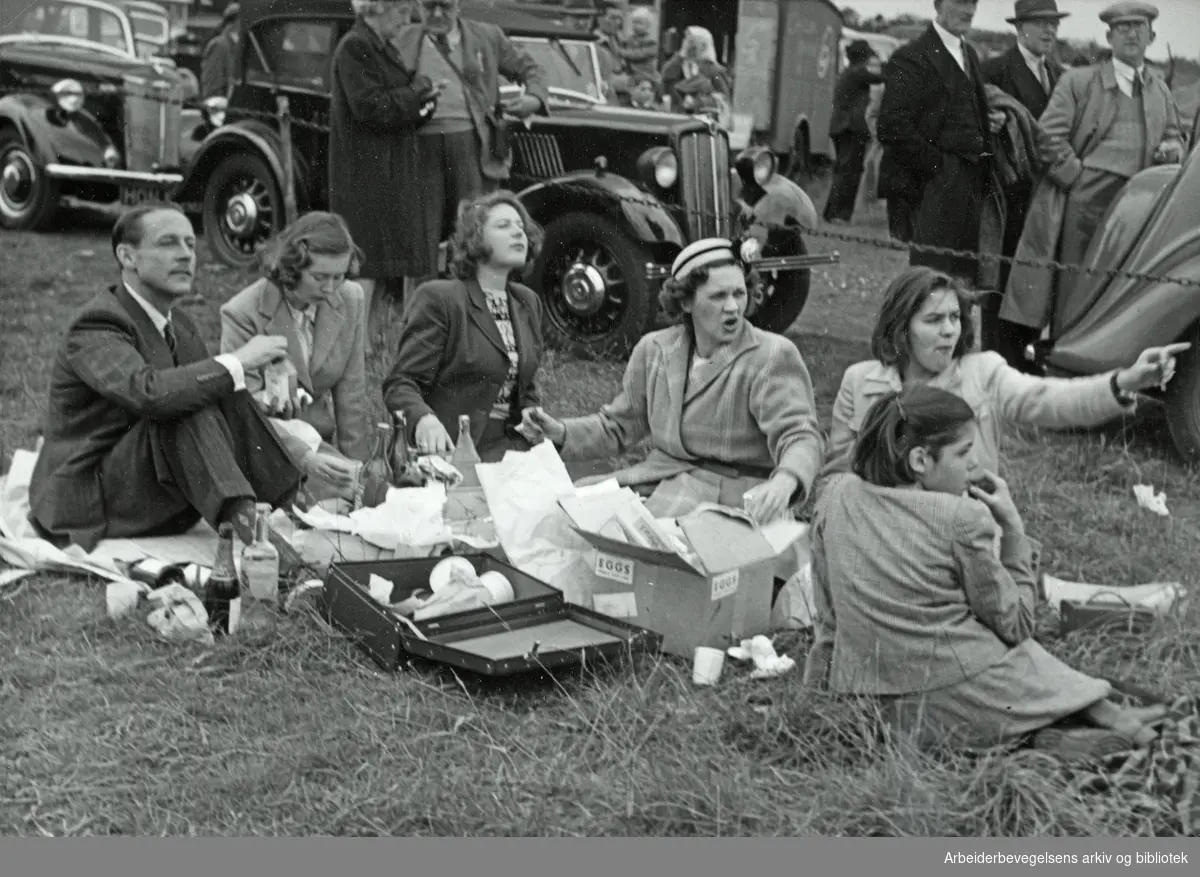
(80, 114)
(618, 191)
(1152, 229)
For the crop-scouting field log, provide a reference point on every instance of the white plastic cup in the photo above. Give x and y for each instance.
(707, 664)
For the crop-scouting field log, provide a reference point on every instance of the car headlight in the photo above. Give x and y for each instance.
(112, 158)
(659, 166)
(214, 110)
(68, 93)
(755, 166)
(764, 167)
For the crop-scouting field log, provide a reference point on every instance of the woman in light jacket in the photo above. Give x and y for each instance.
(924, 335)
(473, 345)
(915, 609)
(729, 408)
(305, 296)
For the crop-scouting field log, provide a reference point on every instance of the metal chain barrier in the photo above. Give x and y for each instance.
(825, 233)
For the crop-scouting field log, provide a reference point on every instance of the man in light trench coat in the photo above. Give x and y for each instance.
(1103, 124)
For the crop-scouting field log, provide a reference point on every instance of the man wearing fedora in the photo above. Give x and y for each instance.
(851, 135)
(1103, 124)
(1028, 72)
(218, 65)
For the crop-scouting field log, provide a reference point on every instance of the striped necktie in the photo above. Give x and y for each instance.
(1043, 76)
(1137, 84)
(169, 335)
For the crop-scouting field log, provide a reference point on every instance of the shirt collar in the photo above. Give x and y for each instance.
(156, 316)
(1126, 72)
(953, 43)
(1031, 59)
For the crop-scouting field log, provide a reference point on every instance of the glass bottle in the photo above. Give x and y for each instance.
(156, 573)
(377, 473)
(223, 592)
(465, 457)
(404, 469)
(260, 561)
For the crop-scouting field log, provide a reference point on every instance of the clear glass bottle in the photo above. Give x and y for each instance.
(260, 561)
(465, 457)
(223, 592)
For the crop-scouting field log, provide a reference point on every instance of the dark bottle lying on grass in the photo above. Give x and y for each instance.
(223, 593)
(156, 573)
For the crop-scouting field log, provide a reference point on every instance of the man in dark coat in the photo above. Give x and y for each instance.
(146, 433)
(1028, 72)
(218, 65)
(936, 129)
(376, 105)
(851, 136)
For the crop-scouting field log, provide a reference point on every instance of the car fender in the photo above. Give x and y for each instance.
(645, 218)
(251, 136)
(51, 136)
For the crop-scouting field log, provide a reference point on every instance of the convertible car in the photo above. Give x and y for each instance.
(1153, 230)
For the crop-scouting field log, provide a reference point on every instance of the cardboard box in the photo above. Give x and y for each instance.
(715, 595)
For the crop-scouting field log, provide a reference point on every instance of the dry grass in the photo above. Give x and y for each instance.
(103, 730)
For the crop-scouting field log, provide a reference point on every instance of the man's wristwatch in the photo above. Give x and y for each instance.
(1122, 397)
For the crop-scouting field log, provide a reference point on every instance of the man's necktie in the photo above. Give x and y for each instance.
(1043, 76)
(442, 44)
(169, 334)
(1137, 84)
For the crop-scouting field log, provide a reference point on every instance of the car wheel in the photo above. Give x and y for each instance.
(243, 208)
(592, 279)
(784, 296)
(28, 198)
(1183, 403)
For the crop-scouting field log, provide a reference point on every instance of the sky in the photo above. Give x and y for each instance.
(1178, 22)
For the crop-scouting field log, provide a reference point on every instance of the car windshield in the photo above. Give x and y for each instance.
(568, 64)
(96, 24)
(152, 30)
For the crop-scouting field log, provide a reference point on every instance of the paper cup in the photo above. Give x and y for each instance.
(498, 585)
(706, 665)
(122, 598)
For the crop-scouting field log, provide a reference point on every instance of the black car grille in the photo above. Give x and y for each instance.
(704, 183)
(537, 155)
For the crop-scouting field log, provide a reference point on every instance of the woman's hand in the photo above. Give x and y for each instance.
(769, 501)
(537, 421)
(1154, 368)
(993, 492)
(432, 437)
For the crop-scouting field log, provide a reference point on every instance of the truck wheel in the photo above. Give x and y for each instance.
(28, 198)
(784, 296)
(592, 279)
(1183, 403)
(243, 208)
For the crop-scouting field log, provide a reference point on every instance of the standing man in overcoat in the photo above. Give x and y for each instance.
(936, 129)
(849, 129)
(1103, 124)
(1028, 71)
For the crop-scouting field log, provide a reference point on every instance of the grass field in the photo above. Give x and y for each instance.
(104, 730)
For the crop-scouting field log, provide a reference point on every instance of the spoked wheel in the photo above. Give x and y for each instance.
(243, 208)
(785, 295)
(592, 278)
(28, 198)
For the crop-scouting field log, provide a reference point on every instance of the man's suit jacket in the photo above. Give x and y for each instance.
(489, 53)
(452, 361)
(1010, 73)
(850, 100)
(335, 375)
(112, 370)
(920, 80)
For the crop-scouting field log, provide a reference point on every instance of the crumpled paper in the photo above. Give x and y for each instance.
(409, 516)
(176, 613)
(761, 651)
(1151, 501)
(522, 492)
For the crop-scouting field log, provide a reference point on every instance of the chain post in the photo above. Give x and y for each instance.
(284, 114)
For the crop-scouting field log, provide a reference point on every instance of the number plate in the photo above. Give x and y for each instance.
(613, 568)
(131, 196)
(725, 584)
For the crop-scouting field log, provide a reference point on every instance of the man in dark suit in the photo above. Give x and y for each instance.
(1028, 72)
(145, 432)
(849, 130)
(936, 129)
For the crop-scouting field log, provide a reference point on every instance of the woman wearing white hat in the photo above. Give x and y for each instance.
(728, 407)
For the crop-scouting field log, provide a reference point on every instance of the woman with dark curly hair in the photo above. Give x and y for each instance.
(473, 345)
(305, 296)
(729, 408)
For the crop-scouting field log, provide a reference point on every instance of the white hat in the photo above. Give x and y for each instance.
(700, 253)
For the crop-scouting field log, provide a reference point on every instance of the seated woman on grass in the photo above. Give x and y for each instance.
(728, 407)
(924, 335)
(915, 609)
